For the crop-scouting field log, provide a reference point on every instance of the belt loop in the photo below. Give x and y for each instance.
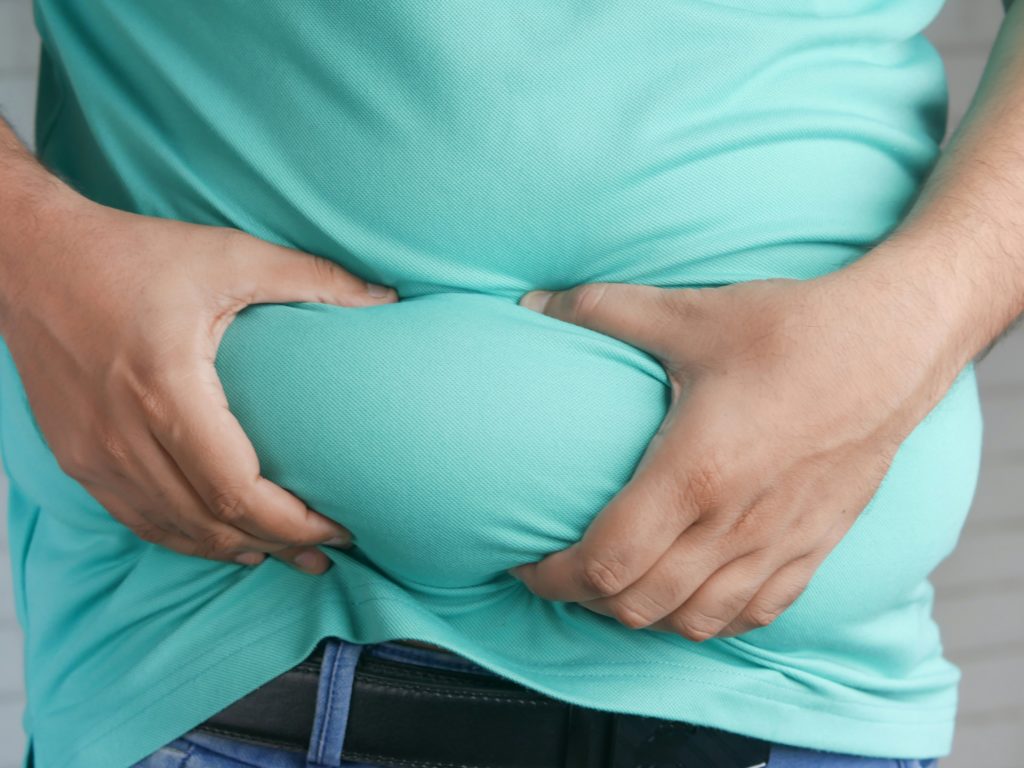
(334, 693)
(588, 742)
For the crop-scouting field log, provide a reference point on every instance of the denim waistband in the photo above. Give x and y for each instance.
(334, 692)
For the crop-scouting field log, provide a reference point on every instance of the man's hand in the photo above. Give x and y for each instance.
(789, 401)
(114, 327)
(790, 398)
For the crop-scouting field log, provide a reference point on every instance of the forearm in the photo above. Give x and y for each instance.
(960, 249)
(32, 201)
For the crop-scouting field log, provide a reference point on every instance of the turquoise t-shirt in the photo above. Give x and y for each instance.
(466, 152)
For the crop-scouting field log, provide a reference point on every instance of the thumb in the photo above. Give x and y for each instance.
(283, 275)
(645, 316)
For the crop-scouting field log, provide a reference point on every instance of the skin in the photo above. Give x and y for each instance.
(113, 320)
(739, 496)
(791, 397)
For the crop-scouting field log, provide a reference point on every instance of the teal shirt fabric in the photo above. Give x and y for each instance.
(466, 152)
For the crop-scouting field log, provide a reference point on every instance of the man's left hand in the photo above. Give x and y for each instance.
(789, 401)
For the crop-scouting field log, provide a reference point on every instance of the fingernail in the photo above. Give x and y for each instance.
(340, 541)
(308, 561)
(377, 291)
(535, 300)
(250, 558)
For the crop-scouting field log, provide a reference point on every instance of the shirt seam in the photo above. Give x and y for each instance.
(137, 713)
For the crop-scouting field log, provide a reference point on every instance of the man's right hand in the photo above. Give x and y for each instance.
(113, 320)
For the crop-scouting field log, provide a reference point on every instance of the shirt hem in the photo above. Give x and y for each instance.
(166, 716)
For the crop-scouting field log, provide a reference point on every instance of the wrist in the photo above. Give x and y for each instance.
(916, 308)
(37, 217)
(973, 270)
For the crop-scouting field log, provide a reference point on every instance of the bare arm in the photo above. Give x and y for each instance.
(715, 534)
(26, 191)
(966, 228)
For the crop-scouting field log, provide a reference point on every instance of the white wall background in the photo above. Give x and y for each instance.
(980, 587)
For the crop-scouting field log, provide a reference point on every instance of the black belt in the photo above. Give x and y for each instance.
(405, 713)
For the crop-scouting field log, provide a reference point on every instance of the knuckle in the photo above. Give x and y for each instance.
(218, 545)
(149, 532)
(704, 486)
(112, 446)
(637, 612)
(697, 626)
(324, 271)
(749, 526)
(585, 300)
(153, 404)
(604, 575)
(759, 615)
(228, 505)
(631, 618)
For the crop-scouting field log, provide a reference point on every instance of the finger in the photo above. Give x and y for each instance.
(669, 491)
(156, 527)
(648, 317)
(775, 596)
(123, 505)
(691, 560)
(268, 273)
(789, 581)
(308, 560)
(704, 548)
(182, 507)
(155, 484)
(193, 423)
(160, 531)
(719, 599)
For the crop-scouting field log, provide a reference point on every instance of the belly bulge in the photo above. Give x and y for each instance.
(458, 434)
(455, 434)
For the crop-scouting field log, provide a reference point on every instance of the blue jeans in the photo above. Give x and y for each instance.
(197, 749)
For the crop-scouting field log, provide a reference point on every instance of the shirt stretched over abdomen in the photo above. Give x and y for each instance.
(465, 153)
